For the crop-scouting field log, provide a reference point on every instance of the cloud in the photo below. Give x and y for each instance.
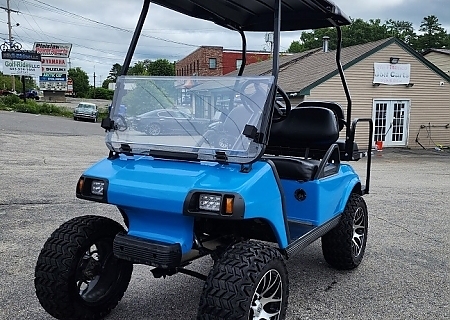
(97, 47)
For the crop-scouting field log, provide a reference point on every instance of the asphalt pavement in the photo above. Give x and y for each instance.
(404, 274)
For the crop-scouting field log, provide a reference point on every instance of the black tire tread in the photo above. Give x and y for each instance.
(55, 262)
(337, 243)
(231, 283)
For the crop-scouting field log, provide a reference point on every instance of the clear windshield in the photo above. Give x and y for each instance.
(201, 116)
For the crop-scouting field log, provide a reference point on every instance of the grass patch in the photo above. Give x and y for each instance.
(14, 103)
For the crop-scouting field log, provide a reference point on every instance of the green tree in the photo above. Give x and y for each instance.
(140, 68)
(359, 32)
(80, 81)
(106, 82)
(114, 72)
(402, 30)
(161, 67)
(434, 36)
(100, 93)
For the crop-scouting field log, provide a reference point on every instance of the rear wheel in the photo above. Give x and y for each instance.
(153, 129)
(77, 275)
(249, 281)
(343, 247)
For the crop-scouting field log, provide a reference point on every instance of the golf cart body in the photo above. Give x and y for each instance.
(273, 172)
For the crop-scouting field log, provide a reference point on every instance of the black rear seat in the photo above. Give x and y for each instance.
(304, 128)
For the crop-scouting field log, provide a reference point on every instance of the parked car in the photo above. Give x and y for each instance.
(86, 110)
(32, 94)
(164, 121)
(6, 93)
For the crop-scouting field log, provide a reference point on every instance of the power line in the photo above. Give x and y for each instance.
(111, 26)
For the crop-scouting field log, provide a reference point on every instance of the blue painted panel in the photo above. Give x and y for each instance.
(152, 193)
(325, 198)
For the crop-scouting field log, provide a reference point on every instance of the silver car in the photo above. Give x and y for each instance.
(86, 110)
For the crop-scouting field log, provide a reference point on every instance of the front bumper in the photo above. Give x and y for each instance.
(85, 116)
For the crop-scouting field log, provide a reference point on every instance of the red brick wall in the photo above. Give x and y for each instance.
(230, 57)
(198, 62)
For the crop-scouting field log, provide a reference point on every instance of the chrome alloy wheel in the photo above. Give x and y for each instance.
(268, 297)
(359, 232)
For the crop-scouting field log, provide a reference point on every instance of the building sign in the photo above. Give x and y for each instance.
(53, 77)
(22, 68)
(391, 74)
(21, 55)
(53, 49)
(69, 85)
(48, 61)
(54, 65)
(54, 69)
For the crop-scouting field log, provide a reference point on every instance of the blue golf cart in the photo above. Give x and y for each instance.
(280, 181)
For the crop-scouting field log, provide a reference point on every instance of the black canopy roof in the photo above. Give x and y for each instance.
(258, 15)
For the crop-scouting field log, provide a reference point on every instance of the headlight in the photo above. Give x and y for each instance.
(97, 187)
(209, 202)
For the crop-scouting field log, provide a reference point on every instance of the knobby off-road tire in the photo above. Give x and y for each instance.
(249, 281)
(343, 247)
(77, 275)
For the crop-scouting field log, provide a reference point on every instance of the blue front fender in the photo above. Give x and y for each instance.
(152, 192)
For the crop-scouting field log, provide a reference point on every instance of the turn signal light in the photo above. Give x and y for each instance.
(229, 202)
(80, 185)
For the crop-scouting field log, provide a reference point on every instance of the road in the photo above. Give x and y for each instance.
(404, 274)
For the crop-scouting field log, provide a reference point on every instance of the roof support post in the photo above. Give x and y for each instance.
(134, 40)
(343, 80)
(244, 52)
(276, 39)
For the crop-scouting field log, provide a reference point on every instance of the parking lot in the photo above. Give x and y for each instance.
(404, 274)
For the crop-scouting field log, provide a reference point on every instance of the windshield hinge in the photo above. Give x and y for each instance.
(221, 157)
(251, 132)
(246, 168)
(107, 124)
(125, 149)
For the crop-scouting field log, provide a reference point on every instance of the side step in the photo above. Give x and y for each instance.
(143, 251)
(310, 236)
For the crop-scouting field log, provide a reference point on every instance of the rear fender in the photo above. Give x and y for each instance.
(354, 186)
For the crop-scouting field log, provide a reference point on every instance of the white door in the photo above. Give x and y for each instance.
(390, 118)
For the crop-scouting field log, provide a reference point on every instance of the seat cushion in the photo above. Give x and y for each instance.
(294, 168)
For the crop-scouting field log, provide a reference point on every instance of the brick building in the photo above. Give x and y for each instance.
(215, 61)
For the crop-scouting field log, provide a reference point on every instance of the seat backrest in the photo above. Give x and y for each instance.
(306, 127)
(236, 120)
(333, 106)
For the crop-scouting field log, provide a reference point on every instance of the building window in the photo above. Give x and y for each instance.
(238, 64)
(212, 63)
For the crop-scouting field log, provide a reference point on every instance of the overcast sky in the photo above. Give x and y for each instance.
(97, 47)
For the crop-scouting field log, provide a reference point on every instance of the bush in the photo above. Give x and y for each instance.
(101, 93)
(10, 100)
(13, 103)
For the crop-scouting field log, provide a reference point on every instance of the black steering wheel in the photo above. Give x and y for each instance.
(252, 100)
(120, 124)
(280, 111)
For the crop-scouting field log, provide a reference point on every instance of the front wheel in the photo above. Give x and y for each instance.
(77, 275)
(343, 247)
(248, 282)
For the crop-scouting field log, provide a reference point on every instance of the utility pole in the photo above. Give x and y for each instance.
(8, 11)
(94, 84)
